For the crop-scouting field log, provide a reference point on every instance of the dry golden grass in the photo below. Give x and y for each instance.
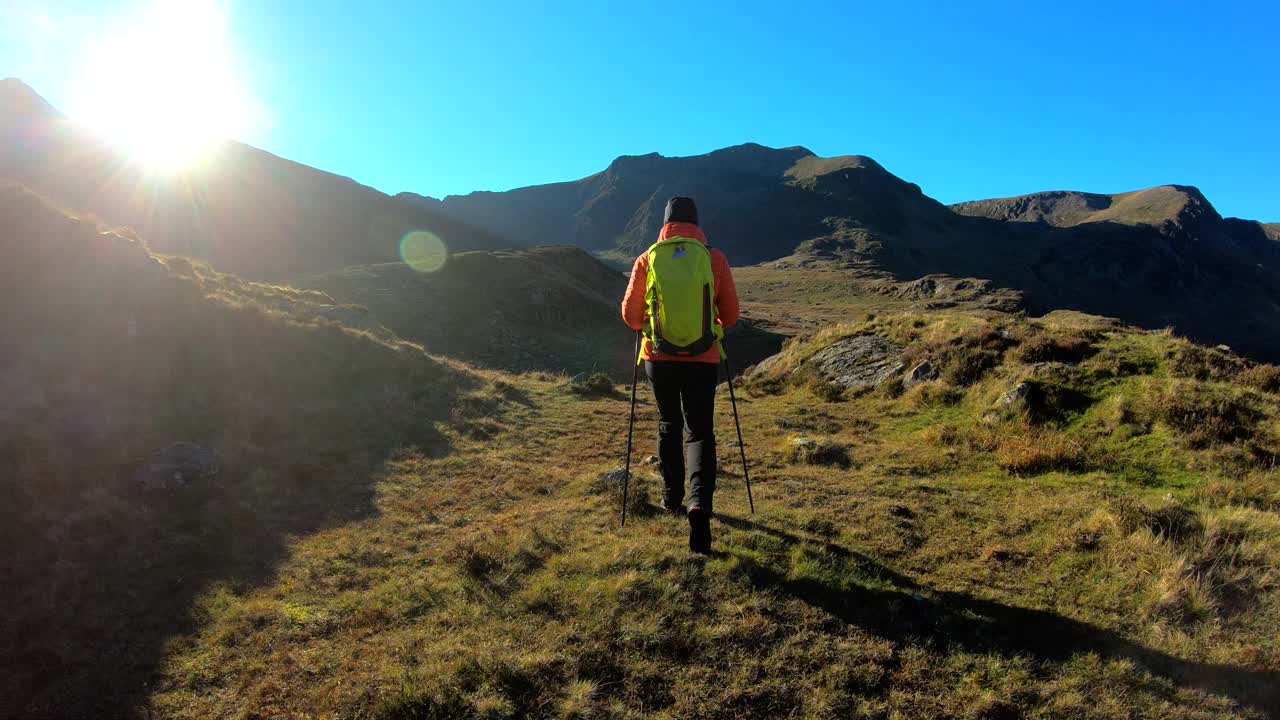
(887, 587)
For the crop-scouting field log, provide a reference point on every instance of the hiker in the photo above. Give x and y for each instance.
(681, 353)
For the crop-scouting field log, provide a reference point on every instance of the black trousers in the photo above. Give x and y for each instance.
(686, 394)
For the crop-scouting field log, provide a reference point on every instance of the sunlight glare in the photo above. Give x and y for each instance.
(162, 88)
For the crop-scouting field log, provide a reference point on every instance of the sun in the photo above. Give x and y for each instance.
(161, 87)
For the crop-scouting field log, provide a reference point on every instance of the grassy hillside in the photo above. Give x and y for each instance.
(1106, 549)
(1075, 518)
(113, 354)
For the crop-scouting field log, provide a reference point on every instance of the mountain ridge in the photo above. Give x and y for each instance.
(244, 209)
(1159, 256)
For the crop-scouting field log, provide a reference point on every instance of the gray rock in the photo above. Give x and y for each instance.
(863, 361)
(612, 477)
(179, 464)
(1050, 368)
(923, 372)
(1015, 394)
(763, 367)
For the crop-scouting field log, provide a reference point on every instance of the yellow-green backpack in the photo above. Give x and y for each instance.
(680, 292)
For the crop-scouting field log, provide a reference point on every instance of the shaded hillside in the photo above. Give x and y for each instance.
(548, 308)
(1155, 257)
(111, 356)
(243, 209)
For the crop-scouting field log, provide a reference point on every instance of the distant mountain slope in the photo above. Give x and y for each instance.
(1068, 209)
(548, 308)
(1156, 257)
(244, 210)
(759, 202)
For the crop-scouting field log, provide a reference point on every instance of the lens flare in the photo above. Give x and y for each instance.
(423, 251)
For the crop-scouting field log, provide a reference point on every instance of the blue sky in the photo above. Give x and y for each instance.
(969, 100)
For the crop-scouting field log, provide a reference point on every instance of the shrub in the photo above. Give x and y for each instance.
(1205, 414)
(1189, 360)
(1043, 347)
(1054, 398)
(963, 359)
(1263, 377)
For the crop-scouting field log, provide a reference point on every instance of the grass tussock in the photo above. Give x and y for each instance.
(811, 451)
(1206, 414)
(1045, 347)
(1036, 452)
(1262, 377)
(1259, 490)
(597, 384)
(963, 358)
(1185, 359)
(932, 393)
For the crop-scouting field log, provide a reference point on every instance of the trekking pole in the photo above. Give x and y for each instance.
(728, 373)
(631, 421)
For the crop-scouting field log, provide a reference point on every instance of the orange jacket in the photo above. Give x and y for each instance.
(634, 310)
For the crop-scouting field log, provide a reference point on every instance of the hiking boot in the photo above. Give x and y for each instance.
(699, 530)
(673, 501)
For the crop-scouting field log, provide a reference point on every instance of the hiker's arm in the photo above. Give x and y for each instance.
(633, 301)
(726, 291)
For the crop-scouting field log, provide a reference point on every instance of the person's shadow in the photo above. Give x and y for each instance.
(950, 619)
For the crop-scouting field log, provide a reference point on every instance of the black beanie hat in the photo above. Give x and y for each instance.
(680, 209)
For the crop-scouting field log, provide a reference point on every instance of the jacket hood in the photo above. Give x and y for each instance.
(681, 229)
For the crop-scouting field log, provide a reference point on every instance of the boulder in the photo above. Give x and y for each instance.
(862, 361)
(1015, 394)
(923, 372)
